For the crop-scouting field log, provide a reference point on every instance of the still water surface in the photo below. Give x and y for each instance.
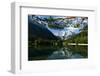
(53, 53)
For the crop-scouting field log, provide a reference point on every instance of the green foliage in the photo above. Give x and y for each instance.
(55, 26)
(80, 38)
(51, 19)
(77, 26)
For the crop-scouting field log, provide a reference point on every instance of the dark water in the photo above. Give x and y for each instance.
(52, 53)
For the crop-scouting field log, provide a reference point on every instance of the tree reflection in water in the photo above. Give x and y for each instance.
(52, 53)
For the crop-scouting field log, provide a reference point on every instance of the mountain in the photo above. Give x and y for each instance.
(38, 31)
(82, 37)
(47, 29)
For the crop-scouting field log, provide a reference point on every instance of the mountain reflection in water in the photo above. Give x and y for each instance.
(52, 53)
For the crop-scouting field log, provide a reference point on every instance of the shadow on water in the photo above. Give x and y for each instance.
(53, 53)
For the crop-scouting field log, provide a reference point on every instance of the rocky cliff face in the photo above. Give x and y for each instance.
(41, 27)
(38, 31)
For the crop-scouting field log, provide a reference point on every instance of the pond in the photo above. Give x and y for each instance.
(56, 53)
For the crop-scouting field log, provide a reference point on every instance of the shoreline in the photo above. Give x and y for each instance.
(77, 44)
